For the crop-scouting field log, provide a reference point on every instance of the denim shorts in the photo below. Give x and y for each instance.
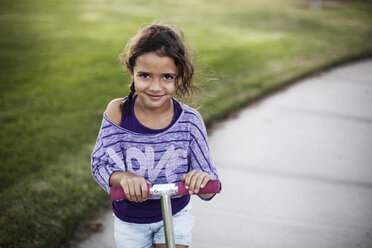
(129, 235)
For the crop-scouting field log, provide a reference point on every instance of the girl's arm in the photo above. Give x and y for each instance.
(101, 168)
(202, 167)
(135, 187)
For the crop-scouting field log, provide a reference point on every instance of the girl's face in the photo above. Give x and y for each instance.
(154, 80)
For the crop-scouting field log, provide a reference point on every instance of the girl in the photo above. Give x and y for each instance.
(150, 137)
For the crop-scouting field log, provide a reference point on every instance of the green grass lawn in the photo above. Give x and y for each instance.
(59, 70)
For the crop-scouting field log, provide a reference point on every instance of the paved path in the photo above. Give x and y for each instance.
(296, 170)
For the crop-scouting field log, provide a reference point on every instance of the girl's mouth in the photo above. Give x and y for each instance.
(155, 97)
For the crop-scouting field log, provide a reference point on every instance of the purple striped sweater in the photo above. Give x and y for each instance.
(160, 158)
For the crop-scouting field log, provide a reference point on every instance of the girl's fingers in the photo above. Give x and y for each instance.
(137, 192)
(195, 182)
(205, 180)
(144, 190)
(188, 177)
(126, 190)
(140, 190)
(132, 193)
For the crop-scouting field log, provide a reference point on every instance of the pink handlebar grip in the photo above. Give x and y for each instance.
(117, 193)
(213, 186)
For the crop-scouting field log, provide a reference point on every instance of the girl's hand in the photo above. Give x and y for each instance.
(135, 187)
(196, 179)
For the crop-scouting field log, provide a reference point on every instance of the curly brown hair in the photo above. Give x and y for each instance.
(165, 40)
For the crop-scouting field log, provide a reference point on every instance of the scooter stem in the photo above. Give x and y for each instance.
(166, 210)
(165, 191)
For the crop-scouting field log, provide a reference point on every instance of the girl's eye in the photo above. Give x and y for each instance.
(144, 75)
(168, 77)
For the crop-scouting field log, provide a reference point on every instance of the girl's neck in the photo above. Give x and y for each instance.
(158, 118)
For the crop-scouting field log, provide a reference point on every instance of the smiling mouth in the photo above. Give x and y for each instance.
(155, 97)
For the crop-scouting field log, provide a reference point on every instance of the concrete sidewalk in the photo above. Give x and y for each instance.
(296, 170)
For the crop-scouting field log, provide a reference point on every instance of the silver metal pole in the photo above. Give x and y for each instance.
(166, 209)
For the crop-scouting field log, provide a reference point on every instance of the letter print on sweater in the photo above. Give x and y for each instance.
(147, 165)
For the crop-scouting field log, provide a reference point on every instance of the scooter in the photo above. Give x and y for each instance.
(165, 191)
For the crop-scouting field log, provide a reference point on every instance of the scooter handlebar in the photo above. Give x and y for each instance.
(214, 186)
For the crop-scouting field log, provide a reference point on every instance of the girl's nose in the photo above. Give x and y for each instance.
(155, 85)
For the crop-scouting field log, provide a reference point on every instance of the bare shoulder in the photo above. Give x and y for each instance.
(113, 111)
